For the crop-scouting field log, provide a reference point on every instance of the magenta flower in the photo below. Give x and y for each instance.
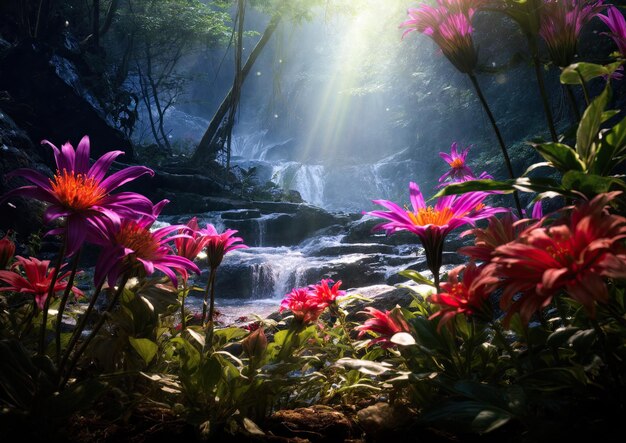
(433, 224)
(459, 171)
(134, 249)
(384, 325)
(449, 25)
(37, 281)
(82, 195)
(617, 25)
(218, 245)
(561, 23)
(304, 304)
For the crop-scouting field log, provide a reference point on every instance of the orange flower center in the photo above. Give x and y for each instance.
(459, 291)
(457, 163)
(139, 239)
(431, 216)
(76, 191)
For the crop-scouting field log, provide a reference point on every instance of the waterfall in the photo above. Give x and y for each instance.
(308, 180)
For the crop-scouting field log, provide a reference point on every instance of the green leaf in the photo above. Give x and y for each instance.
(572, 74)
(476, 185)
(416, 277)
(538, 185)
(561, 156)
(588, 184)
(561, 336)
(146, 348)
(589, 126)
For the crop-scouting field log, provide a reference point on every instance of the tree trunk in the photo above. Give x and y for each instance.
(206, 149)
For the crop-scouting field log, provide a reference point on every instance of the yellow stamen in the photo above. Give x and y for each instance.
(76, 191)
(430, 216)
(457, 163)
(137, 238)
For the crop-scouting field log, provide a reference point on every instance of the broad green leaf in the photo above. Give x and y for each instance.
(561, 336)
(146, 348)
(588, 184)
(416, 277)
(538, 184)
(589, 127)
(561, 156)
(467, 415)
(476, 185)
(578, 72)
(228, 334)
(364, 366)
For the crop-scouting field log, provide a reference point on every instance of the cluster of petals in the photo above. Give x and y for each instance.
(449, 25)
(308, 303)
(7, 250)
(217, 245)
(384, 325)
(616, 23)
(574, 254)
(561, 23)
(459, 171)
(134, 247)
(469, 296)
(82, 194)
(36, 280)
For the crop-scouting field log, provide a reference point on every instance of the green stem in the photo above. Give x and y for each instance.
(80, 327)
(95, 330)
(183, 320)
(208, 291)
(492, 120)
(544, 97)
(46, 305)
(583, 83)
(64, 299)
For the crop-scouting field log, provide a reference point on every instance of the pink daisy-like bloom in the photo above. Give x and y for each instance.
(37, 281)
(327, 291)
(191, 245)
(574, 255)
(304, 304)
(449, 25)
(384, 325)
(561, 24)
(459, 171)
(616, 23)
(469, 296)
(134, 248)
(218, 245)
(81, 194)
(432, 224)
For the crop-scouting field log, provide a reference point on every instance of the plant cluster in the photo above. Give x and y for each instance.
(526, 340)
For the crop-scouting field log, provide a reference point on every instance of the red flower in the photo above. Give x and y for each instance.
(218, 245)
(469, 297)
(326, 291)
(573, 255)
(37, 281)
(304, 304)
(7, 250)
(384, 324)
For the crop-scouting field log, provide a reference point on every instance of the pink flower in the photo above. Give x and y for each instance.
(327, 291)
(469, 296)
(304, 304)
(82, 194)
(616, 23)
(218, 245)
(384, 324)
(459, 171)
(561, 23)
(37, 281)
(134, 248)
(7, 250)
(433, 224)
(449, 25)
(574, 255)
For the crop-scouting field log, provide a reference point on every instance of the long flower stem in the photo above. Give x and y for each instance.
(583, 83)
(209, 298)
(64, 299)
(46, 305)
(80, 327)
(183, 320)
(544, 98)
(95, 330)
(505, 154)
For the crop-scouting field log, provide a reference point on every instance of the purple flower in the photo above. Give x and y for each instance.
(561, 23)
(449, 25)
(616, 23)
(134, 249)
(433, 224)
(82, 195)
(459, 171)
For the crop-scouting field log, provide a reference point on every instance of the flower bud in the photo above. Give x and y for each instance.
(7, 250)
(255, 344)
